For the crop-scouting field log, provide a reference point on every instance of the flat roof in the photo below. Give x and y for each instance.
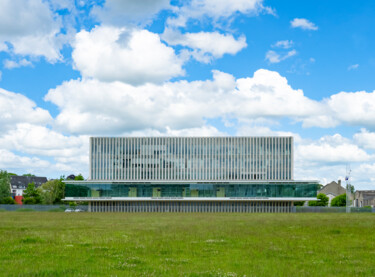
(196, 137)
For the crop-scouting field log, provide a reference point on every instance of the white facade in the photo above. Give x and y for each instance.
(191, 158)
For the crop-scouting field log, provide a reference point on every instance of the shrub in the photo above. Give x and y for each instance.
(339, 201)
(299, 203)
(33, 193)
(28, 200)
(8, 200)
(323, 200)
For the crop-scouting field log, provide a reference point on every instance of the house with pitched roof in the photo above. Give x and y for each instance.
(18, 184)
(332, 190)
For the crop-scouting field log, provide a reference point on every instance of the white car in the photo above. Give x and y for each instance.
(78, 210)
(69, 210)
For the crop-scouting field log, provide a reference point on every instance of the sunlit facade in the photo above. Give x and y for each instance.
(191, 158)
(188, 173)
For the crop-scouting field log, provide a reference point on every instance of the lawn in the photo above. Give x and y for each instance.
(167, 244)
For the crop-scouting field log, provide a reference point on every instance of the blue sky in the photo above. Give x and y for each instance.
(74, 69)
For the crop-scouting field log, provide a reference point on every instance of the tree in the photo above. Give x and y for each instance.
(79, 177)
(28, 175)
(31, 195)
(299, 203)
(323, 200)
(352, 189)
(339, 201)
(4, 185)
(52, 191)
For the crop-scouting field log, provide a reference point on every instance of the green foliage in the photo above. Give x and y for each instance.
(72, 204)
(79, 177)
(31, 195)
(12, 174)
(323, 200)
(299, 203)
(8, 200)
(352, 189)
(52, 191)
(339, 201)
(28, 175)
(312, 203)
(29, 201)
(4, 185)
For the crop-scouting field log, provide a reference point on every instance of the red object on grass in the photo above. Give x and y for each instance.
(18, 199)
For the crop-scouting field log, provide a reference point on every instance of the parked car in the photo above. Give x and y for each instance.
(69, 210)
(78, 210)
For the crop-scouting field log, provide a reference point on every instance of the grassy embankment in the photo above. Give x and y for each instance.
(119, 244)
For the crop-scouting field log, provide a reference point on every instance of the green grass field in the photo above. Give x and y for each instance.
(152, 244)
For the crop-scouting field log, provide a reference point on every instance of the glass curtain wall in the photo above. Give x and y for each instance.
(192, 190)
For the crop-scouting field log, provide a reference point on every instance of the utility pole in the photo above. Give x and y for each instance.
(348, 188)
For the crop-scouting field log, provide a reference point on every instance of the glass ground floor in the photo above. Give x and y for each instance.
(93, 189)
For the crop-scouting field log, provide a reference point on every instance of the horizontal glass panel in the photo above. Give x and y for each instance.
(308, 189)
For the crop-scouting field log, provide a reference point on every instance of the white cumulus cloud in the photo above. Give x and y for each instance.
(284, 44)
(133, 56)
(197, 9)
(16, 108)
(203, 131)
(365, 138)
(31, 28)
(91, 106)
(39, 140)
(206, 44)
(11, 161)
(14, 64)
(353, 108)
(274, 57)
(120, 12)
(332, 149)
(303, 23)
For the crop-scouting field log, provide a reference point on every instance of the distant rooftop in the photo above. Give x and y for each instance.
(23, 181)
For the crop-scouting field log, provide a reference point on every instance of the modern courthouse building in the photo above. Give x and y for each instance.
(191, 174)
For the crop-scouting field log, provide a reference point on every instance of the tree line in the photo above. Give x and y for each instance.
(51, 192)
